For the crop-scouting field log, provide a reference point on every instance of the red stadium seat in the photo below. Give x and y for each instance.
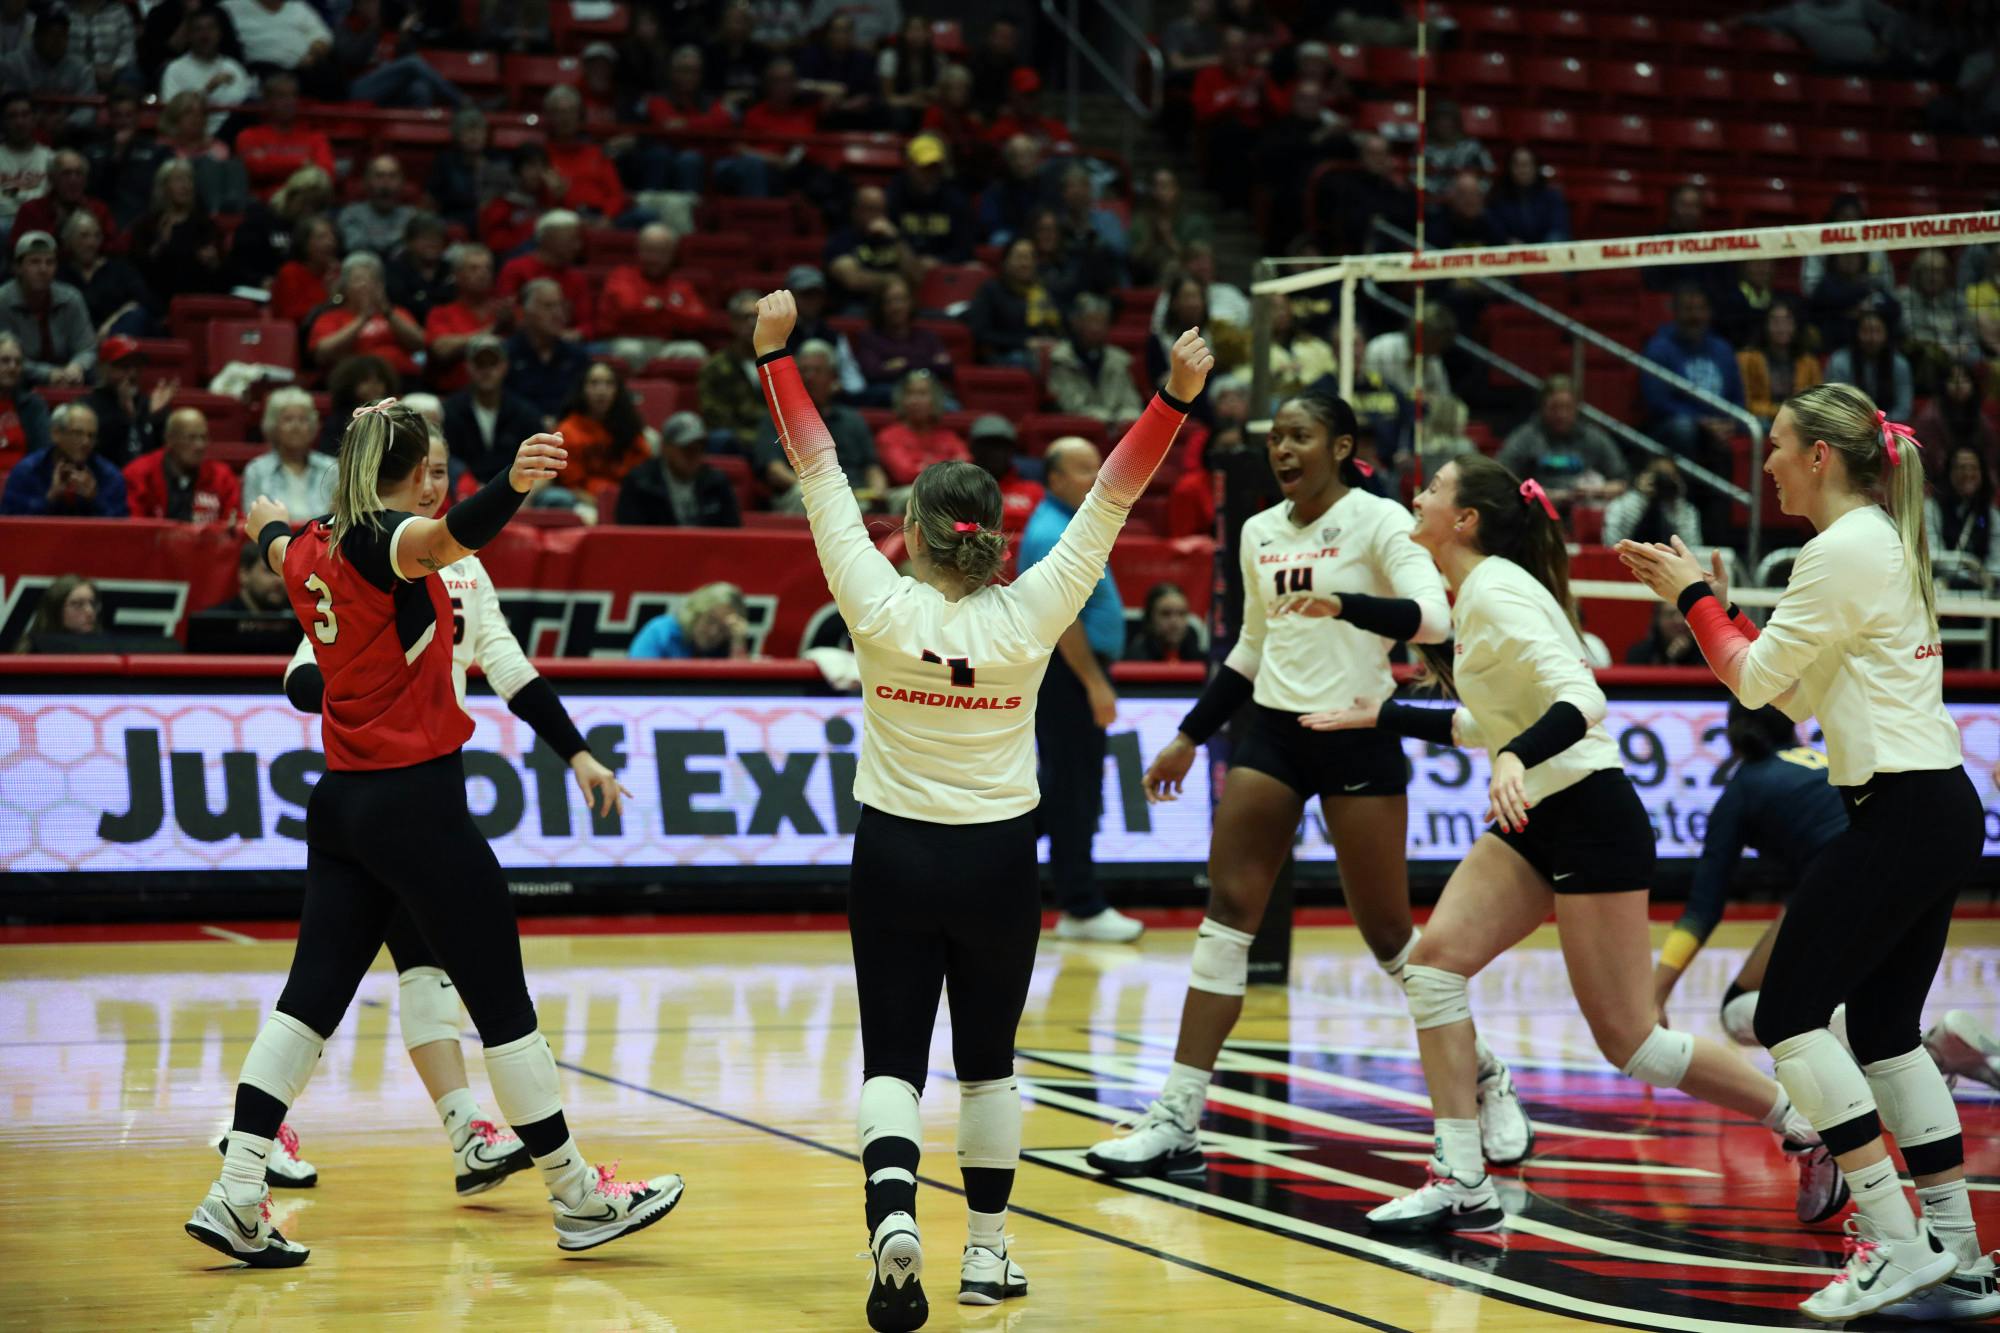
(1707, 88)
(1039, 429)
(235, 454)
(1912, 157)
(737, 469)
(948, 36)
(1002, 389)
(1558, 81)
(1701, 39)
(768, 521)
(1561, 32)
(684, 371)
(657, 399)
(228, 418)
(1134, 305)
(187, 315)
(1621, 141)
(473, 72)
(1769, 91)
(716, 251)
(1554, 133)
(1843, 149)
(1481, 122)
(1769, 147)
(1699, 142)
(1843, 98)
(1474, 70)
(528, 77)
(1631, 37)
(1760, 48)
(262, 342)
(571, 33)
(1613, 208)
(948, 284)
(957, 338)
(1484, 26)
(762, 218)
(1392, 67)
(167, 358)
(1350, 62)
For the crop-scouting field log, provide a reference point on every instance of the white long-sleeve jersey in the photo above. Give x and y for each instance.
(1851, 634)
(1517, 655)
(479, 634)
(1300, 658)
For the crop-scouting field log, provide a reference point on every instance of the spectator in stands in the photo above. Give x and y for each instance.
(1778, 364)
(1843, 293)
(916, 438)
(289, 34)
(1089, 377)
(735, 61)
(1655, 509)
(381, 66)
(220, 182)
(588, 183)
(908, 72)
(558, 245)
(778, 24)
(952, 117)
(854, 445)
(418, 276)
(646, 310)
(128, 421)
(1689, 347)
(1064, 270)
(1740, 306)
(684, 109)
(1953, 419)
(1448, 149)
(892, 346)
(1306, 134)
(602, 429)
(269, 233)
(1226, 302)
(808, 285)
(991, 442)
(1973, 106)
(1571, 458)
(17, 26)
(47, 68)
(355, 382)
(260, 590)
(730, 394)
(1298, 355)
(1022, 116)
(67, 479)
(1006, 205)
(470, 173)
(1185, 302)
(543, 364)
(994, 63)
(485, 423)
(1232, 106)
(475, 308)
(1960, 519)
(378, 222)
(306, 282)
(645, 58)
(841, 75)
(221, 80)
(278, 148)
(1938, 328)
(179, 480)
(1687, 212)
(1190, 44)
(1166, 632)
(709, 622)
(1090, 230)
(1392, 355)
(1460, 219)
(865, 255)
(1668, 641)
(1851, 36)
(1191, 499)
(1162, 229)
(24, 417)
(66, 618)
(293, 472)
(1872, 363)
(24, 164)
(48, 318)
(68, 195)
(1444, 436)
(1347, 203)
(363, 321)
(166, 33)
(679, 488)
(105, 38)
(507, 222)
(929, 211)
(1524, 207)
(1845, 210)
(114, 294)
(1013, 317)
(782, 115)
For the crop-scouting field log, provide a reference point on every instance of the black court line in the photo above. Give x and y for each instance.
(1064, 1224)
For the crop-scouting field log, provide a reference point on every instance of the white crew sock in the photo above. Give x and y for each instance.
(1878, 1193)
(1458, 1151)
(243, 1168)
(987, 1230)
(458, 1109)
(1948, 1208)
(1784, 1120)
(1186, 1092)
(567, 1175)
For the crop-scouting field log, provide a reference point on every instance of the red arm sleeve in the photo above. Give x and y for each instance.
(1136, 457)
(808, 445)
(1722, 641)
(1744, 624)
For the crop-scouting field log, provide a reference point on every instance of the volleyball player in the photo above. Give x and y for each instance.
(388, 826)
(944, 888)
(1528, 697)
(427, 1007)
(1854, 642)
(1331, 582)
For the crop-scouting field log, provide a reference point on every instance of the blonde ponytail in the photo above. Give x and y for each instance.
(385, 442)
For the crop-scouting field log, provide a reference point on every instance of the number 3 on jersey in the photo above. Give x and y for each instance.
(961, 668)
(327, 627)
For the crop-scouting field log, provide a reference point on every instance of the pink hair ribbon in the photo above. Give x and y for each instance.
(1891, 432)
(380, 405)
(1532, 493)
(965, 527)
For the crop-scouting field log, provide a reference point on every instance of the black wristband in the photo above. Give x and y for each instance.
(1416, 722)
(1555, 731)
(269, 533)
(538, 705)
(769, 357)
(1227, 690)
(305, 687)
(1733, 611)
(1396, 618)
(1693, 593)
(1175, 403)
(477, 519)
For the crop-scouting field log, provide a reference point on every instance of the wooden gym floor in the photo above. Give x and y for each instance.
(734, 1057)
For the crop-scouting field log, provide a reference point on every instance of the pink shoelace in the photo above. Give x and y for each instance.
(288, 1139)
(1851, 1249)
(491, 1132)
(616, 1189)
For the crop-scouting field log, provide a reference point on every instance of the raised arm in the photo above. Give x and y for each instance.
(427, 545)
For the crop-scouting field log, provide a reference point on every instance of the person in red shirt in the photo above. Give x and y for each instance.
(682, 112)
(647, 310)
(952, 117)
(1023, 113)
(69, 186)
(477, 308)
(916, 439)
(363, 323)
(586, 181)
(992, 448)
(305, 281)
(179, 480)
(782, 117)
(507, 221)
(272, 151)
(558, 242)
(1232, 104)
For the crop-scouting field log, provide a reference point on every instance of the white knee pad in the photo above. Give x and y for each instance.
(1739, 1019)
(888, 1111)
(1824, 1083)
(1437, 998)
(1662, 1059)
(427, 1007)
(1221, 963)
(282, 1058)
(523, 1075)
(1916, 1105)
(989, 1124)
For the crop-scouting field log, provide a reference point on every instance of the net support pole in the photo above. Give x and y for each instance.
(1260, 344)
(1423, 184)
(1350, 346)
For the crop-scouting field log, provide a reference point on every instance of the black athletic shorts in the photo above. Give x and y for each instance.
(1321, 763)
(1593, 837)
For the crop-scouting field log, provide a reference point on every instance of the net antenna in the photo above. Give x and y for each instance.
(1417, 320)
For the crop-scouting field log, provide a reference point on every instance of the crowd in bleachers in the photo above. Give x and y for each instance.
(228, 224)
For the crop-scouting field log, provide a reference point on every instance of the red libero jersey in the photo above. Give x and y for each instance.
(389, 696)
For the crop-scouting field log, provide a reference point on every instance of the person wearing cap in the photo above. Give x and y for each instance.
(865, 254)
(484, 423)
(475, 308)
(853, 442)
(128, 421)
(916, 438)
(66, 479)
(646, 309)
(48, 318)
(680, 488)
(1023, 113)
(277, 147)
(991, 443)
(1087, 376)
(808, 287)
(179, 480)
(293, 472)
(928, 209)
(46, 67)
(558, 246)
